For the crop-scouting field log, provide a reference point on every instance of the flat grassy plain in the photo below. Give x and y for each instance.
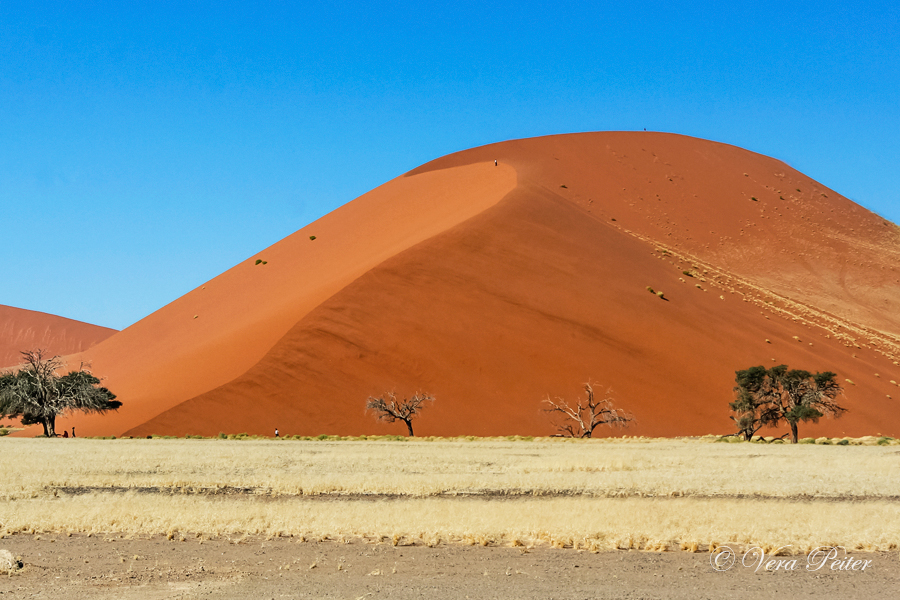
(602, 494)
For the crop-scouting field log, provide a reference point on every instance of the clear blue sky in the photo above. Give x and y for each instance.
(144, 150)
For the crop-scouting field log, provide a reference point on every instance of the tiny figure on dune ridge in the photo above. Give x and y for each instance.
(276, 432)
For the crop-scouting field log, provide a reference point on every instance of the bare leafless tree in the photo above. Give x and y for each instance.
(582, 419)
(389, 408)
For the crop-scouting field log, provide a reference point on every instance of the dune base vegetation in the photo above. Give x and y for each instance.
(596, 494)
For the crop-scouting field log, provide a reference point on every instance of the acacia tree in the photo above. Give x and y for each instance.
(752, 406)
(768, 397)
(7, 380)
(588, 414)
(389, 408)
(38, 395)
(805, 396)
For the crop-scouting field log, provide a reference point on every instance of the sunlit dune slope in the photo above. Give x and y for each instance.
(22, 330)
(527, 279)
(218, 331)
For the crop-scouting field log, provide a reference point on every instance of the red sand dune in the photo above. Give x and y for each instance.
(491, 287)
(22, 329)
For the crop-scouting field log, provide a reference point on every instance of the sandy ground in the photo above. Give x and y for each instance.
(111, 566)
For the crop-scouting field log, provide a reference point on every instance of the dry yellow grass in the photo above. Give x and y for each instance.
(596, 494)
(486, 467)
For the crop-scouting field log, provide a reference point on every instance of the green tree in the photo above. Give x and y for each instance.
(805, 396)
(765, 398)
(38, 395)
(752, 396)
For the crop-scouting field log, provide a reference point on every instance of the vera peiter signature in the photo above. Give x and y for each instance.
(823, 558)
